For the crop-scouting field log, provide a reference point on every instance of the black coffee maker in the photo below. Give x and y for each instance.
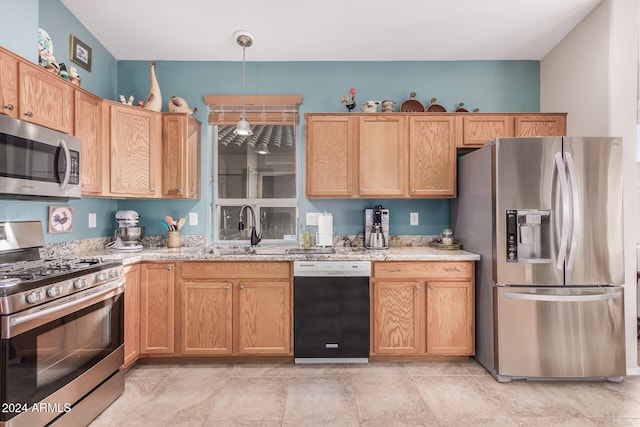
(376, 228)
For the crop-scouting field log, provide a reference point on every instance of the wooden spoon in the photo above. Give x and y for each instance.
(181, 222)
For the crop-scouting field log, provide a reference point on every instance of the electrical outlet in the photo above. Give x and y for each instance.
(193, 218)
(312, 218)
(92, 220)
(414, 218)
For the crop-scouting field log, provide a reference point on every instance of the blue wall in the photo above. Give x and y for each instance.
(488, 85)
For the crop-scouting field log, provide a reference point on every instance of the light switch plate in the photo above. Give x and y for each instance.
(193, 218)
(312, 218)
(92, 220)
(414, 218)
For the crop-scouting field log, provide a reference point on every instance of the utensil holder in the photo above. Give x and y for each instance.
(173, 241)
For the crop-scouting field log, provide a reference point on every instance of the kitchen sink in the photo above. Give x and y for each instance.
(248, 250)
(311, 251)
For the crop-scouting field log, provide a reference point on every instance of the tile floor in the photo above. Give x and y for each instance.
(373, 395)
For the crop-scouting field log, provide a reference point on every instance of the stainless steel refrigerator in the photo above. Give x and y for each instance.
(545, 215)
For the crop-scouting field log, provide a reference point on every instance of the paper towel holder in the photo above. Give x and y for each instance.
(324, 236)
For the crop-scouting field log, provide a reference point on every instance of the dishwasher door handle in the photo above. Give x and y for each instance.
(564, 298)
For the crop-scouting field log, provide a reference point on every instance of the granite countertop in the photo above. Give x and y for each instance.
(278, 253)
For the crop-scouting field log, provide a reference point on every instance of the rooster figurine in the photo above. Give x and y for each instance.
(154, 100)
(179, 105)
(345, 99)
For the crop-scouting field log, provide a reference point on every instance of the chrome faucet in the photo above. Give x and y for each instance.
(255, 237)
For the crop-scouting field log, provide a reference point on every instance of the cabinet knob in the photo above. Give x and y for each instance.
(430, 287)
(413, 190)
(178, 190)
(241, 286)
(169, 268)
(226, 288)
(28, 114)
(417, 287)
(153, 190)
(9, 107)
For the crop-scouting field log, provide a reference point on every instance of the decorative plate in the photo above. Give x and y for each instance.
(45, 45)
(435, 108)
(60, 219)
(412, 106)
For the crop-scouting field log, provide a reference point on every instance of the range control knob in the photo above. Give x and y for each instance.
(114, 274)
(54, 291)
(101, 277)
(34, 297)
(80, 283)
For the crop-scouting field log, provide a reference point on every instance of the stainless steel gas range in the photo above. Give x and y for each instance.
(61, 332)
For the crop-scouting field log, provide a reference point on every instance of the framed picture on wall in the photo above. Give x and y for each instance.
(60, 219)
(80, 52)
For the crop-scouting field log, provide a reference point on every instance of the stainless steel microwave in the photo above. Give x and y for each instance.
(37, 162)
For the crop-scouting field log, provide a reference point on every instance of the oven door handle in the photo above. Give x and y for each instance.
(22, 322)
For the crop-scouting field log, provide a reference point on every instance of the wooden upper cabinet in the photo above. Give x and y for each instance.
(477, 129)
(88, 127)
(45, 99)
(432, 156)
(382, 156)
(330, 151)
(8, 85)
(541, 125)
(135, 142)
(180, 156)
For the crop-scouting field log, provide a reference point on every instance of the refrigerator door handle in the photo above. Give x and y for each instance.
(575, 224)
(564, 192)
(564, 298)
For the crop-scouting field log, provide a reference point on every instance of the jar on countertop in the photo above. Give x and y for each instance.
(447, 237)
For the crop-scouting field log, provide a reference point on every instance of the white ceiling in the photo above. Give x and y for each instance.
(330, 30)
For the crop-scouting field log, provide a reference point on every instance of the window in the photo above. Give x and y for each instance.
(266, 182)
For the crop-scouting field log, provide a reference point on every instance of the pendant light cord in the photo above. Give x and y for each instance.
(243, 79)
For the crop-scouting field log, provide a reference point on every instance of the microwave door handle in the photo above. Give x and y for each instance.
(564, 195)
(575, 224)
(67, 169)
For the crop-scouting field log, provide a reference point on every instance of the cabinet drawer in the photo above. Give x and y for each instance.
(422, 270)
(236, 270)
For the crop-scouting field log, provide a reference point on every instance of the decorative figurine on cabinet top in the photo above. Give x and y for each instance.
(179, 105)
(345, 100)
(154, 100)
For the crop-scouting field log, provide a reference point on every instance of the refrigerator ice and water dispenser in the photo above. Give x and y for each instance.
(528, 236)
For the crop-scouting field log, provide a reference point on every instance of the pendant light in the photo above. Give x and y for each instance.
(244, 39)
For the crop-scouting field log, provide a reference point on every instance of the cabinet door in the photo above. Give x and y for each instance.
(88, 127)
(131, 315)
(264, 318)
(382, 156)
(45, 99)
(8, 85)
(477, 129)
(157, 301)
(450, 318)
(432, 156)
(135, 142)
(541, 125)
(206, 326)
(330, 151)
(398, 317)
(180, 156)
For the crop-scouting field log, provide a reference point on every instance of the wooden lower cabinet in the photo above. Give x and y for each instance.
(206, 326)
(264, 317)
(131, 314)
(423, 307)
(157, 308)
(398, 317)
(245, 310)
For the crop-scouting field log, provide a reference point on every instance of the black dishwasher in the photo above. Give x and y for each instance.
(331, 311)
